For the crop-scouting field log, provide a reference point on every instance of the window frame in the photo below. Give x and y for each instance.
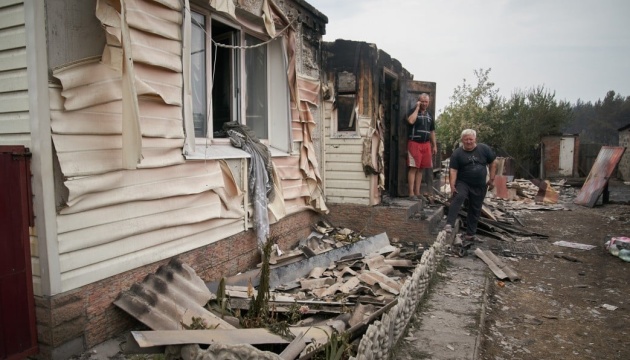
(278, 105)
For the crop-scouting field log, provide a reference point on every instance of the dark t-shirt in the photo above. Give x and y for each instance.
(471, 165)
(420, 131)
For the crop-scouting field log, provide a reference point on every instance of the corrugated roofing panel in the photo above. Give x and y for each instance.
(604, 165)
(169, 298)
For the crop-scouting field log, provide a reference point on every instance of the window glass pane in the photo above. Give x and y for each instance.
(345, 113)
(224, 100)
(256, 85)
(279, 108)
(198, 74)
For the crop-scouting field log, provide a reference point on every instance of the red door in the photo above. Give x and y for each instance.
(18, 336)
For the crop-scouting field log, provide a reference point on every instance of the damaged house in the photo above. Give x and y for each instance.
(366, 97)
(119, 109)
(135, 131)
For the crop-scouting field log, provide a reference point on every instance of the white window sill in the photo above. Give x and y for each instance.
(226, 151)
(277, 153)
(216, 151)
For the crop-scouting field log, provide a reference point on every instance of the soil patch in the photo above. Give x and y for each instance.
(570, 303)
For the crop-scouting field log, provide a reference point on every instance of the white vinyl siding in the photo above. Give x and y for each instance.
(14, 117)
(344, 179)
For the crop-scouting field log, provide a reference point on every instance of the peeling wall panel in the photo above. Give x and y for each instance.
(153, 18)
(91, 83)
(156, 118)
(143, 243)
(134, 210)
(98, 162)
(107, 233)
(297, 205)
(123, 262)
(147, 184)
(294, 189)
(71, 143)
(87, 256)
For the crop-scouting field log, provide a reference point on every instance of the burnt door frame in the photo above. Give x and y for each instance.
(390, 98)
(409, 92)
(18, 333)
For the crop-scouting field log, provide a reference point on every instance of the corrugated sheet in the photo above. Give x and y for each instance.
(169, 298)
(604, 165)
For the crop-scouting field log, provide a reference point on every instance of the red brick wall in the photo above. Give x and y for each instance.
(397, 222)
(89, 311)
(551, 155)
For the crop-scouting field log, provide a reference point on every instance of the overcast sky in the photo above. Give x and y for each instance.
(580, 49)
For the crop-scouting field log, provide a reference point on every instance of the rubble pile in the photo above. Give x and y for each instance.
(336, 281)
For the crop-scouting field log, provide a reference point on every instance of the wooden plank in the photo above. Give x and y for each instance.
(223, 336)
(319, 334)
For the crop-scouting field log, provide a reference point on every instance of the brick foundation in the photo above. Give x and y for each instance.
(71, 322)
(401, 222)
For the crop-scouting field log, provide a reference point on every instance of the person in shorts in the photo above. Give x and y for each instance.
(421, 144)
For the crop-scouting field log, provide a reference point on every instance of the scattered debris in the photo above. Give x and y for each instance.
(609, 307)
(567, 257)
(498, 267)
(574, 245)
(297, 301)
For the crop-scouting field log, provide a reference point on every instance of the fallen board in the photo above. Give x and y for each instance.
(257, 336)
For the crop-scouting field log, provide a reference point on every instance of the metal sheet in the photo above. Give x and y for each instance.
(607, 160)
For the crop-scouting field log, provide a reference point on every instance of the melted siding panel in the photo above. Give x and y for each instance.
(156, 119)
(120, 262)
(98, 162)
(146, 184)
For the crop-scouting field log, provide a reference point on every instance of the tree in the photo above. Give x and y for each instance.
(527, 117)
(513, 127)
(475, 107)
(599, 123)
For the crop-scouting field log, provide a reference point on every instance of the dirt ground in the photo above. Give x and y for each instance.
(562, 308)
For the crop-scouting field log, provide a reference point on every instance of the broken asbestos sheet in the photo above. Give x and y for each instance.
(338, 287)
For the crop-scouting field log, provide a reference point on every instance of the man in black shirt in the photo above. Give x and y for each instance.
(467, 179)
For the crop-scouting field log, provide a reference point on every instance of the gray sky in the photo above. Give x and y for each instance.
(579, 49)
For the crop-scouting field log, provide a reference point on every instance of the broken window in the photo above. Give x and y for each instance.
(236, 76)
(345, 112)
